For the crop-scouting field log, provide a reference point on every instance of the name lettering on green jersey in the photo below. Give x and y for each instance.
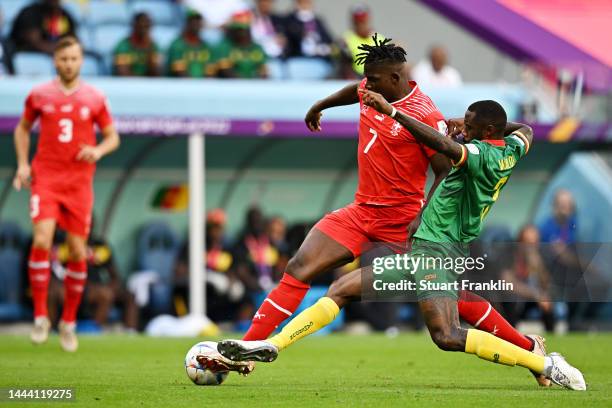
(507, 163)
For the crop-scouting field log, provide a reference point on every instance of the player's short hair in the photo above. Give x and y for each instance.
(382, 51)
(490, 113)
(65, 42)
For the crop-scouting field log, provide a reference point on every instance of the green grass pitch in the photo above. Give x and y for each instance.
(337, 370)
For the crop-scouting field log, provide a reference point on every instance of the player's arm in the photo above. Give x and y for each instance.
(22, 151)
(525, 132)
(110, 142)
(345, 96)
(425, 134)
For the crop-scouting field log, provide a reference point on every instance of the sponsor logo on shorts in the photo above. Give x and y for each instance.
(302, 330)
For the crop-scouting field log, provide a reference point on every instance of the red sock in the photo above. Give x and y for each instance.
(74, 284)
(39, 273)
(278, 306)
(479, 313)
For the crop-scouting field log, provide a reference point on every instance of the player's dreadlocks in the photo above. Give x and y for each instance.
(381, 51)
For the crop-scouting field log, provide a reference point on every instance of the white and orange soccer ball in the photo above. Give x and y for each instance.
(204, 374)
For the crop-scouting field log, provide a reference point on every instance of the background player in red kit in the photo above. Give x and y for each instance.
(389, 199)
(61, 179)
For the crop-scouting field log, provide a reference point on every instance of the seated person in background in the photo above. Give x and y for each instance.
(238, 55)
(531, 280)
(137, 55)
(435, 71)
(276, 229)
(225, 293)
(104, 288)
(307, 35)
(361, 32)
(189, 55)
(38, 26)
(267, 28)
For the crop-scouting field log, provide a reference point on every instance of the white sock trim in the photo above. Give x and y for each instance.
(288, 313)
(39, 264)
(483, 316)
(76, 275)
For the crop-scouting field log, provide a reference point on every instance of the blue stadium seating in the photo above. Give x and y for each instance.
(158, 246)
(161, 12)
(75, 10)
(102, 12)
(308, 68)
(84, 35)
(276, 69)
(91, 66)
(164, 35)
(11, 258)
(105, 37)
(9, 10)
(33, 64)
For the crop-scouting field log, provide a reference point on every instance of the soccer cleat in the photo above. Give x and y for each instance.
(563, 374)
(539, 348)
(67, 336)
(240, 350)
(40, 331)
(220, 363)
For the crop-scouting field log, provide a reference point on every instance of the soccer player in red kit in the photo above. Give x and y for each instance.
(389, 199)
(61, 180)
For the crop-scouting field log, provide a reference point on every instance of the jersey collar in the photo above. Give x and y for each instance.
(415, 89)
(65, 91)
(495, 142)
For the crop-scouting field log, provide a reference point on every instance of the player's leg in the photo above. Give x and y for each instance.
(442, 320)
(39, 275)
(333, 242)
(312, 319)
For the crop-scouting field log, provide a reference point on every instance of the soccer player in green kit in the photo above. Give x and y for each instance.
(452, 219)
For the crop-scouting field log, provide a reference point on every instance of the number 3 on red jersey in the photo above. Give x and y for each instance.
(66, 126)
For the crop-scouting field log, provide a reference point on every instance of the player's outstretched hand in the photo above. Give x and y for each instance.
(376, 100)
(89, 154)
(313, 120)
(22, 177)
(455, 127)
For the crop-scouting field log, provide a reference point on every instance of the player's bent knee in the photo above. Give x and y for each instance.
(447, 339)
(42, 240)
(298, 268)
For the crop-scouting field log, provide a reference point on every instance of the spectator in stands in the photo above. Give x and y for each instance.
(435, 71)
(226, 295)
(137, 55)
(532, 282)
(307, 34)
(361, 32)
(189, 55)
(267, 28)
(577, 282)
(38, 26)
(255, 255)
(238, 55)
(217, 12)
(276, 229)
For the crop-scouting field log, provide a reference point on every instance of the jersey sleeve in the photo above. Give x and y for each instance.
(520, 141)
(436, 121)
(103, 117)
(471, 158)
(30, 112)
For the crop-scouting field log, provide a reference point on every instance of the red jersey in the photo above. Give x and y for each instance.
(392, 163)
(67, 121)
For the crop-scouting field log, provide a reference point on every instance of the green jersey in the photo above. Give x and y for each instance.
(460, 204)
(245, 61)
(195, 59)
(139, 58)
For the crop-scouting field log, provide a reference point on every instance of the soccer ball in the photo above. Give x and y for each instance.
(204, 375)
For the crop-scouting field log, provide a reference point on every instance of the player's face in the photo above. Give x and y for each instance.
(382, 79)
(475, 129)
(68, 62)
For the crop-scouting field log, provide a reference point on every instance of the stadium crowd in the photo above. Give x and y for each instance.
(196, 38)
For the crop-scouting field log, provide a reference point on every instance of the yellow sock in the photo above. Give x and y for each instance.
(309, 321)
(489, 347)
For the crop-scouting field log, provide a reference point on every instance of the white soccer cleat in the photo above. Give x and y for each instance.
(218, 363)
(240, 350)
(539, 348)
(563, 374)
(40, 331)
(68, 337)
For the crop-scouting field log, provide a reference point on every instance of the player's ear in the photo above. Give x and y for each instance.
(396, 77)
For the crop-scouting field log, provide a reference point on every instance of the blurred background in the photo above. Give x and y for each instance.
(244, 73)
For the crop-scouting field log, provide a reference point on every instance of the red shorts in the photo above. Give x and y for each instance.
(70, 205)
(356, 225)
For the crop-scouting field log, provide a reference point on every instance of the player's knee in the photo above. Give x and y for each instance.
(340, 291)
(106, 295)
(447, 339)
(297, 267)
(42, 240)
(77, 252)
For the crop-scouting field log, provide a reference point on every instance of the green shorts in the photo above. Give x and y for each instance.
(431, 268)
